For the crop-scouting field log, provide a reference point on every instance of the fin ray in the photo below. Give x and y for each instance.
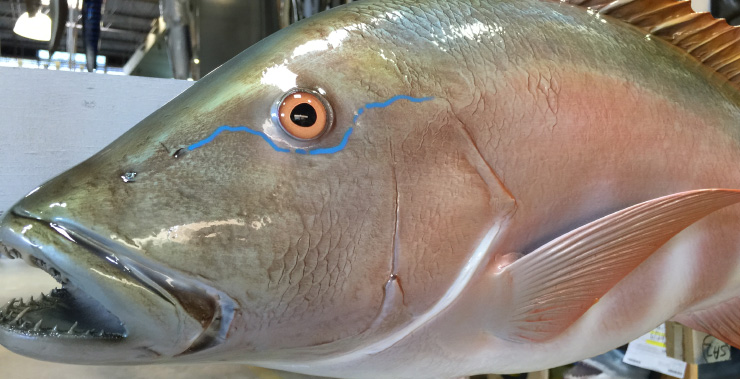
(553, 286)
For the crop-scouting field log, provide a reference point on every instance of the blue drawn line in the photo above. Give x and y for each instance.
(331, 150)
(397, 98)
(389, 102)
(236, 129)
(335, 149)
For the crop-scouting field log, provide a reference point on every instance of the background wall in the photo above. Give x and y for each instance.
(51, 120)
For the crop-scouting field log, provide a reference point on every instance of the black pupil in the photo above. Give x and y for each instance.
(303, 115)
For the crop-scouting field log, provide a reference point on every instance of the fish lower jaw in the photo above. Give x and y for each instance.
(112, 308)
(64, 312)
(50, 316)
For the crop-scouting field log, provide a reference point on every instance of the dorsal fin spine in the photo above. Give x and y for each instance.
(677, 36)
(722, 69)
(711, 41)
(707, 41)
(639, 17)
(614, 5)
(720, 50)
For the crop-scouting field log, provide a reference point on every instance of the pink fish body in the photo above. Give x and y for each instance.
(411, 189)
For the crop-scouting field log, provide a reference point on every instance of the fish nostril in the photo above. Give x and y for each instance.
(129, 177)
(180, 153)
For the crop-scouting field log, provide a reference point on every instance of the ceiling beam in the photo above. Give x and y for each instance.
(126, 22)
(111, 20)
(106, 34)
(125, 25)
(117, 47)
(133, 9)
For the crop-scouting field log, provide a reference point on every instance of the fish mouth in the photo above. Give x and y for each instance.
(66, 312)
(112, 306)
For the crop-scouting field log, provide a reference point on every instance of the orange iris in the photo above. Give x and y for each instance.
(303, 115)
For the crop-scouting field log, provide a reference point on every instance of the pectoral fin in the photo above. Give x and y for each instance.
(721, 321)
(543, 293)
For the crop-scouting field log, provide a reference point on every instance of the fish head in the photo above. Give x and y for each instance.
(212, 229)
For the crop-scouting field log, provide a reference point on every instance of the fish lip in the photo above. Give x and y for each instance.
(215, 325)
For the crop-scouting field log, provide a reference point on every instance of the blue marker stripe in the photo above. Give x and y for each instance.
(335, 149)
(236, 129)
(359, 113)
(397, 98)
(331, 150)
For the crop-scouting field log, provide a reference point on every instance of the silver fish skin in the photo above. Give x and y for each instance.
(504, 188)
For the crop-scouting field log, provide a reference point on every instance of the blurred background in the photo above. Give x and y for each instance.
(182, 39)
(727, 9)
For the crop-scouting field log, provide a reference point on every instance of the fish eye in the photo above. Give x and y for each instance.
(304, 114)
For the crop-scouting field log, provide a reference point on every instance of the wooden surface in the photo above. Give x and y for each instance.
(692, 372)
(694, 347)
(52, 120)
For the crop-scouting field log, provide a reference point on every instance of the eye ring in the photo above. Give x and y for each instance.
(304, 114)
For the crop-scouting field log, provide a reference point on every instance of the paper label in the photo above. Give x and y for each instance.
(715, 350)
(649, 352)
